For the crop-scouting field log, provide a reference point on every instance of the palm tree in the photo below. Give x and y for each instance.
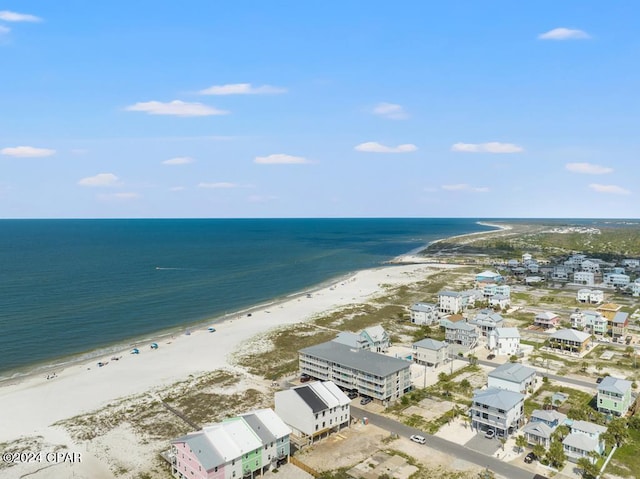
(584, 366)
(521, 442)
(539, 451)
(588, 468)
(546, 403)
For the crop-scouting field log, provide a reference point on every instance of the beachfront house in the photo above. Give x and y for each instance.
(584, 439)
(243, 446)
(614, 396)
(635, 287)
(590, 266)
(609, 310)
(631, 262)
(592, 296)
(373, 338)
(561, 273)
(430, 352)
(380, 377)
(489, 290)
(500, 301)
(589, 320)
(313, 410)
(497, 409)
(461, 334)
(569, 340)
(487, 320)
(504, 341)
(512, 377)
(546, 320)
(586, 278)
(542, 425)
(424, 313)
(453, 302)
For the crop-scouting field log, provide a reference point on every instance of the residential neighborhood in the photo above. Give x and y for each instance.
(529, 384)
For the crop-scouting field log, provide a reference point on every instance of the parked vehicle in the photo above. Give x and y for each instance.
(490, 434)
(365, 401)
(529, 458)
(352, 394)
(419, 439)
(304, 378)
(491, 356)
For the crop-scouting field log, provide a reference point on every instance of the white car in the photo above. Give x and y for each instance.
(419, 439)
(490, 434)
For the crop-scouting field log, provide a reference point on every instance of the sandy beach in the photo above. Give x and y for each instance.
(30, 407)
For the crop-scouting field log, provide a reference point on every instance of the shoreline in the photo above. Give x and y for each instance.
(59, 364)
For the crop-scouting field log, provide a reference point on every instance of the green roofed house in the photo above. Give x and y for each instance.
(614, 396)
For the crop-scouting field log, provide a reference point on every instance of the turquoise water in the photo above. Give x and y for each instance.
(70, 286)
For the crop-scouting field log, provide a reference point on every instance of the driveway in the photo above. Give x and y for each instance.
(482, 444)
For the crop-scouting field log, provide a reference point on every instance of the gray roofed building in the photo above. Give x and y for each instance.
(537, 432)
(615, 385)
(570, 335)
(497, 398)
(375, 375)
(207, 455)
(430, 352)
(513, 372)
(498, 410)
(311, 398)
(432, 344)
(587, 427)
(259, 428)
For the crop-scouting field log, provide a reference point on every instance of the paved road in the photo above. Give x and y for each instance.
(501, 468)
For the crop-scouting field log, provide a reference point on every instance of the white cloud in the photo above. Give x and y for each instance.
(391, 111)
(179, 160)
(588, 168)
(375, 147)
(564, 34)
(218, 185)
(8, 16)
(100, 180)
(27, 152)
(465, 187)
(280, 159)
(491, 147)
(611, 189)
(177, 188)
(175, 107)
(242, 89)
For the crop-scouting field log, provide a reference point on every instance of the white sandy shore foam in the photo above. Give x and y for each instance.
(31, 406)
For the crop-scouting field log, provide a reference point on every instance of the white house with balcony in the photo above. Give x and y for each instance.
(585, 278)
(424, 314)
(504, 341)
(461, 334)
(313, 410)
(583, 440)
(589, 266)
(592, 296)
(546, 320)
(455, 301)
(373, 338)
(430, 352)
(513, 377)
(616, 280)
(497, 409)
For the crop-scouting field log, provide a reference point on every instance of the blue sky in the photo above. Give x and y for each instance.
(319, 109)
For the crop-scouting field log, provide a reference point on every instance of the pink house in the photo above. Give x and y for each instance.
(193, 455)
(546, 320)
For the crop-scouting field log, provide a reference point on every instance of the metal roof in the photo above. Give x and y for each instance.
(360, 360)
(581, 442)
(498, 398)
(615, 385)
(512, 372)
(208, 456)
(571, 335)
(538, 428)
(432, 344)
(310, 397)
(422, 307)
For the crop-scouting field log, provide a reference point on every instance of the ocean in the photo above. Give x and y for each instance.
(72, 287)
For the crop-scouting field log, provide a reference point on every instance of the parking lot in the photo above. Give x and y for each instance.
(481, 444)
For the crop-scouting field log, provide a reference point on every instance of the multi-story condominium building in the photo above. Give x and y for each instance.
(614, 396)
(583, 440)
(635, 287)
(430, 352)
(424, 313)
(620, 323)
(560, 273)
(313, 410)
(504, 341)
(631, 262)
(489, 276)
(584, 277)
(498, 410)
(512, 377)
(455, 301)
(541, 426)
(575, 261)
(373, 338)
(569, 340)
(462, 334)
(374, 375)
(593, 296)
(244, 446)
(616, 280)
(487, 320)
(546, 320)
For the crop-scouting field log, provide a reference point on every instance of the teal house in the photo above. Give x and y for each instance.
(614, 396)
